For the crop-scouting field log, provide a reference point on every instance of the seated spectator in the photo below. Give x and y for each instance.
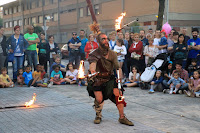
(192, 67)
(175, 83)
(156, 83)
(58, 62)
(20, 80)
(194, 85)
(150, 52)
(183, 75)
(167, 75)
(44, 75)
(163, 43)
(37, 76)
(7, 82)
(28, 77)
(90, 46)
(180, 50)
(56, 76)
(71, 74)
(134, 78)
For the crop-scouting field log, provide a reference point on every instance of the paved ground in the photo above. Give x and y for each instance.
(68, 108)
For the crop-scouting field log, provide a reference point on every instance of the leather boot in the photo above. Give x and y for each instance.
(98, 108)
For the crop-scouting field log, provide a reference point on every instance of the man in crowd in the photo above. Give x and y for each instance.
(31, 52)
(143, 38)
(83, 40)
(157, 38)
(104, 86)
(3, 46)
(127, 36)
(150, 31)
(112, 41)
(184, 32)
(193, 46)
(74, 49)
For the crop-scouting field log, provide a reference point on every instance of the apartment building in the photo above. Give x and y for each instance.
(73, 15)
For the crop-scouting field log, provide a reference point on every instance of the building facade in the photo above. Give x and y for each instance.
(72, 15)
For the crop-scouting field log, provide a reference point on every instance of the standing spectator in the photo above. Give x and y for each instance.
(112, 41)
(150, 52)
(180, 50)
(43, 51)
(83, 40)
(170, 42)
(3, 47)
(150, 31)
(148, 35)
(127, 36)
(17, 44)
(193, 46)
(74, 53)
(53, 50)
(184, 32)
(31, 52)
(163, 43)
(143, 38)
(90, 46)
(157, 38)
(136, 50)
(183, 75)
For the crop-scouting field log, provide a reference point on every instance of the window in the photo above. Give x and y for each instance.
(72, 10)
(6, 12)
(19, 8)
(25, 21)
(29, 21)
(10, 10)
(55, 17)
(10, 24)
(39, 3)
(33, 5)
(80, 12)
(40, 19)
(15, 23)
(6, 24)
(96, 9)
(88, 12)
(46, 2)
(147, 23)
(27, 6)
(20, 22)
(15, 9)
(33, 20)
(53, 1)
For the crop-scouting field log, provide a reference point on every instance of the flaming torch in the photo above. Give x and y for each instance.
(81, 70)
(119, 21)
(28, 104)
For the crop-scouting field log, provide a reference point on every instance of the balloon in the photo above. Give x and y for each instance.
(167, 28)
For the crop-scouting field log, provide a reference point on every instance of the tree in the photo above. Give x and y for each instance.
(1, 22)
(160, 14)
(135, 27)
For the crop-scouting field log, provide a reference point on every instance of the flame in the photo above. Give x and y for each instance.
(118, 21)
(28, 104)
(81, 70)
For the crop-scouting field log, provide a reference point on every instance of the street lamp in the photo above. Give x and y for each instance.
(45, 25)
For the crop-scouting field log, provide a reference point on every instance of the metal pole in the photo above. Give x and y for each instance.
(45, 27)
(167, 10)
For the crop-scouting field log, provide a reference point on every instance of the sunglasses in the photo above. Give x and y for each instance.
(74, 34)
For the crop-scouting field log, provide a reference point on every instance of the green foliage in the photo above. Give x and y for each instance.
(1, 21)
(135, 27)
(38, 29)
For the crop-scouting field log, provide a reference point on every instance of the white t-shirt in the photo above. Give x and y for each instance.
(74, 73)
(51, 46)
(156, 41)
(131, 76)
(17, 51)
(121, 50)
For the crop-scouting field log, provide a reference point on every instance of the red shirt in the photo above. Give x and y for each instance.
(138, 48)
(42, 74)
(90, 45)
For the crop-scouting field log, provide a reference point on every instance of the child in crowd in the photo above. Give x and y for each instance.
(28, 77)
(71, 74)
(163, 43)
(194, 85)
(7, 82)
(156, 83)
(37, 76)
(120, 49)
(192, 67)
(134, 78)
(175, 83)
(44, 75)
(150, 52)
(56, 76)
(20, 80)
(58, 62)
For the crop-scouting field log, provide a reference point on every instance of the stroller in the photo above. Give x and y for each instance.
(160, 63)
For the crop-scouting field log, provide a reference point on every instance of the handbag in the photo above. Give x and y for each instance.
(10, 56)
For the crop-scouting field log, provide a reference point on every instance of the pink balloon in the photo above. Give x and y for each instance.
(167, 28)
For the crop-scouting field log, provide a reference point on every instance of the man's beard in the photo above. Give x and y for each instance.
(141, 37)
(104, 49)
(195, 37)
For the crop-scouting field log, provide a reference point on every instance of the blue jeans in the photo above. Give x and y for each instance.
(183, 87)
(32, 58)
(75, 56)
(17, 64)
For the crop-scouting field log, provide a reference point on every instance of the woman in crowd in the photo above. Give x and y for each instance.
(53, 49)
(17, 45)
(3, 47)
(91, 45)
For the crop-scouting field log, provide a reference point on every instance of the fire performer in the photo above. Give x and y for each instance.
(103, 85)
